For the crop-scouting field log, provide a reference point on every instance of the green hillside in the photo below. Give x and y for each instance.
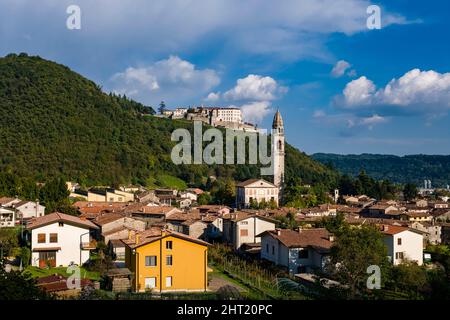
(411, 168)
(54, 122)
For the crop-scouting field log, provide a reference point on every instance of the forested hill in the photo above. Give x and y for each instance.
(55, 122)
(411, 168)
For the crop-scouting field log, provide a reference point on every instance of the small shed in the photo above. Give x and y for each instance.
(118, 280)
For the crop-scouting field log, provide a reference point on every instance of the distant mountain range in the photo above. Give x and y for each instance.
(411, 168)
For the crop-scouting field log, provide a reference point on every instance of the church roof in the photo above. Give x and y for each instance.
(277, 121)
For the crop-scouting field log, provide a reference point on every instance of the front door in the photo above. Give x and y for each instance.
(47, 258)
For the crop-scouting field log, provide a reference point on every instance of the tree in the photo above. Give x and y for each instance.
(409, 278)
(15, 285)
(410, 191)
(162, 107)
(354, 250)
(204, 198)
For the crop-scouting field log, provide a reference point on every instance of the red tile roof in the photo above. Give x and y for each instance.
(316, 238)
(59, 217)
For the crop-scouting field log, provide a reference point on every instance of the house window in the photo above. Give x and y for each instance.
(41, 238)
(53, 237)
(303, 254)
(150, 283)
(169, 260)
(399, 255)
(267, 248)
(150, 261)
(399, 241)
(168, 282)
(169, 245)
(244, 232)
(61, 224)
(273, 249)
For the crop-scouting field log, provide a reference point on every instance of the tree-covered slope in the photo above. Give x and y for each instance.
(55, 122)
(411, 168)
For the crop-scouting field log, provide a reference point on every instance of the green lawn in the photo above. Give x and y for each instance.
(39, 273)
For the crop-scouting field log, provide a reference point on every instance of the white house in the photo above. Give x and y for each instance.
(255, 190)
(29, 209)
(403, 244)
(58, 239)
(7, 217)
(301, 251)
(244, 228)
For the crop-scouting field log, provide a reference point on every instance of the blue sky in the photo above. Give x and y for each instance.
(341, 87)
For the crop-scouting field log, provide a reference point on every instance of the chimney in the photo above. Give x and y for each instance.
(331, 237)
(278, 232)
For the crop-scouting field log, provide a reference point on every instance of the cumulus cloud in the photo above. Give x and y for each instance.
(359, 92)
(172, 78)
(255, 87)
(340, 68)
(417, 91)
(255, 112)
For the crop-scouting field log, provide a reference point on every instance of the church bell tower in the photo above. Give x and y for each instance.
(278, 151)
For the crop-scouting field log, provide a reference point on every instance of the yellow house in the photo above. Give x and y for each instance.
(164, 261)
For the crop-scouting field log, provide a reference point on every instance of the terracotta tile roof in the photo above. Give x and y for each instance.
(107, 218)
(83, 204)
(156, 233)
(151, 210)
(316, 238)
(5, 200)
(391, 229)
(56, 283)
(118, 229)
(59, 217)
(250, 181)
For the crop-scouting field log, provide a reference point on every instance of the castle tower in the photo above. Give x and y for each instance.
(278, 150)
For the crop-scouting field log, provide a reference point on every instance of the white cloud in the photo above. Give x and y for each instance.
(359, 92)
(255, 112)
(420, 91)
(213, 96)
(255, 87)
(340, 68)
(373, 120)
(172, 78)
(291, 30)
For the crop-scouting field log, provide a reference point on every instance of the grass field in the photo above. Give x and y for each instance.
(39, 273)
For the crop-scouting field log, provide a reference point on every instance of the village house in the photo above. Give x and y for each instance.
(431, 231)
(441, 215)
(115, 226)
(151, 214)
(58, 239)
(189, 223)
(8, 202)
(7, 217)
(109, 195)
(255, 191)
(29, 209)
(302, 251)
(165, 261)
(403, 244)
(147, 196)
(412, 216)
(243, 228)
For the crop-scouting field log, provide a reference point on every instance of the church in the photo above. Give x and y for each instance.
(257, 190)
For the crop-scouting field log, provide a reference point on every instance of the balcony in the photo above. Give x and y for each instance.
(91, 245)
